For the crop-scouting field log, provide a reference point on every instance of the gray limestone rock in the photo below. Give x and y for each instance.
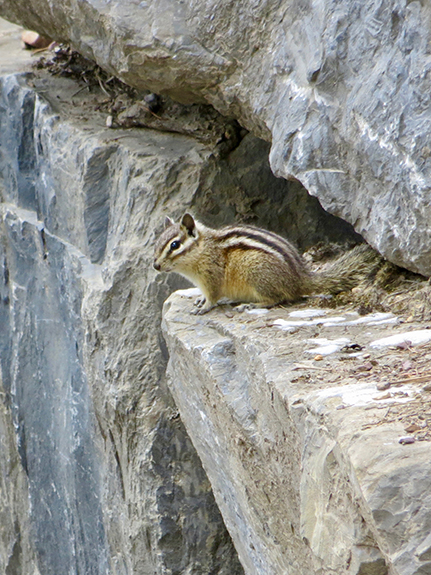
(340, 90)
(105, 478)
(304, 456)
(17, 550)
(97, 472)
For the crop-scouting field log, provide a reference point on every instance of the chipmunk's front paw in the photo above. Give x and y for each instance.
(200, 301)
(204, 306)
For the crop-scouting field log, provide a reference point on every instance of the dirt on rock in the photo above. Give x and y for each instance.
(126, 107)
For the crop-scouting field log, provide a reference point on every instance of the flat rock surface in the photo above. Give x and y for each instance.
(312, 418)
(14, 58)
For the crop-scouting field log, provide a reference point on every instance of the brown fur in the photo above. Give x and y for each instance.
(250, 265)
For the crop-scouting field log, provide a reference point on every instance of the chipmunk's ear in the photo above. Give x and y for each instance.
(189, 223)
(168, 222)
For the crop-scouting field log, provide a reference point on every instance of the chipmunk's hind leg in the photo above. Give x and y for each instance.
(275, 281)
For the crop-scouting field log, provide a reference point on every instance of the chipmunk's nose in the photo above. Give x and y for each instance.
(156, 266)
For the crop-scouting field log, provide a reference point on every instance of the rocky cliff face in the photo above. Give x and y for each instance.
(111, 478)
(97, 470)
(98, 473)
(340, 91)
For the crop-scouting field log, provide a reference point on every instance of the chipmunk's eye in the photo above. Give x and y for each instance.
(175, 245)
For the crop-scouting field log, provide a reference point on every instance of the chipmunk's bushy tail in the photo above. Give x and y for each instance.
(353, 267)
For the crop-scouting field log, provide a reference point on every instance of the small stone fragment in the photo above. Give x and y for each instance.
(109, 121)
(318, 357)
(153, 102)
(383, 385)
(33, 40)
(384, 396)
(427, 387)
(413, 427)
(352, 348)
(407, 365)
(365, 367)
(406, 344)
(406, 440)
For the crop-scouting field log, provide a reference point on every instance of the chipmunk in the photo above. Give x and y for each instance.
(246, 264)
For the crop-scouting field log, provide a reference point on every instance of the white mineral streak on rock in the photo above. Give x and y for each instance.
(189, 293)
(289, 324)
(326, 346)
(360, 394)
(371, 319)
(258, 311)
(350, 318)
(311, 312)
(407, 337)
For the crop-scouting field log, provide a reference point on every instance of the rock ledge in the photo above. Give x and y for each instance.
(308, 460)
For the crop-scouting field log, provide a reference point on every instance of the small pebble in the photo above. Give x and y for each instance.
(153, 102)
(318, 357)
(383, 385)
(412, 427)
(384, 396)
(406, 440)
(352, 348)
(109, 121)
(404, 344)
(365, 367)
(427, 387)
(35, 40)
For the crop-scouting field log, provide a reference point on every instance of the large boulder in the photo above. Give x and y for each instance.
(340, 90)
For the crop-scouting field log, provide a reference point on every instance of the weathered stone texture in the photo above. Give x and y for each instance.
(113, 482)
(17, 553)
(340, 90)
(97, 472)
(306, 468)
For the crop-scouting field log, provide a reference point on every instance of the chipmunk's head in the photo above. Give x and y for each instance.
(175, 246)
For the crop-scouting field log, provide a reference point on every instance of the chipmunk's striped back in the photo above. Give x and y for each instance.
(241, 263)
(252, 238)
